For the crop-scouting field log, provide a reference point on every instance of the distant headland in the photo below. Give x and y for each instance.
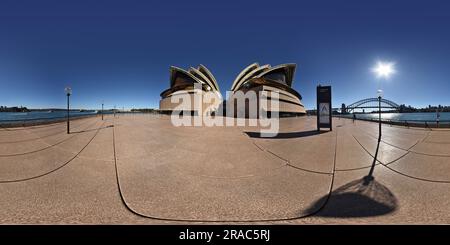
(13, 109)
(25, 109)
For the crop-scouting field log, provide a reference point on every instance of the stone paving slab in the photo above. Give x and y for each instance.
(23, 134)
(212, 174)
(386, 153)
(164, 192)
(390, 199)
(36, 143)
(350, 155)
(437, 149)
(223, 173)
(33, 163)
(438, 137)
(423, 166)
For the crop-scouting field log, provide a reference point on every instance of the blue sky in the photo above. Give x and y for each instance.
(119, 52)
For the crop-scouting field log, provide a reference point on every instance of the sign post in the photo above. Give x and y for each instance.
(324, 108)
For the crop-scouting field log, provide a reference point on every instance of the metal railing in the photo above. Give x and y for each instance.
(407, 123)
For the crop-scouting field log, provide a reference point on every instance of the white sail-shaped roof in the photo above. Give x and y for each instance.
(251, 74)
(289, 71)
(207, 73)
(243, 73)
(202, 77)
(174, 70)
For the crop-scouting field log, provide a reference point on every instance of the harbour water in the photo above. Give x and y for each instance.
(49, 115)
(409, 117)
(6, 117)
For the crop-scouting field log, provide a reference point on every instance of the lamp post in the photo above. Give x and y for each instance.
(68, 91)
(380, 95)
(382, 70)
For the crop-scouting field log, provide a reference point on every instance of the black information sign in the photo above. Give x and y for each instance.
(324, 109)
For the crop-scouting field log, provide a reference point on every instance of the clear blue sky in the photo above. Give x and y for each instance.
(120, 51)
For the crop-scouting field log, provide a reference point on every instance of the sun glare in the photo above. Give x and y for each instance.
(384, 69)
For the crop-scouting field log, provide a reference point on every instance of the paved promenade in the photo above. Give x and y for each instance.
(139, 169)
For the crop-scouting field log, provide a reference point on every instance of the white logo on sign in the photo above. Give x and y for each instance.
(324, 113)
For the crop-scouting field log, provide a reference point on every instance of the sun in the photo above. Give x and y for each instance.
(384, 69)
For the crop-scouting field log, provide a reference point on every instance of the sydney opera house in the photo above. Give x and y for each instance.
(268, 79)
(182, 85)
(254, 78)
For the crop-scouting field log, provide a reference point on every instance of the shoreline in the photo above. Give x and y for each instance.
(42, 121)
(405, 123)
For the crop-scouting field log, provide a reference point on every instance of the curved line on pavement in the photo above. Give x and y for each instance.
(44, 148)
(409, 149)
(53, 170)
(401, 173)
(122, 197)
(37, 138)
(378, 162)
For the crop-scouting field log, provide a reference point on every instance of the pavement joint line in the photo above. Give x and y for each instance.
(209, 176)
(398, 147)
(410, 148)
(401, 173)
(370, 154)
(439, 143)
(41, 149)
(426, 137)
(42, 137)
(74, 152)
(122, 197)
(379, 162)
(53, 170)
(38, 137)
(405, 127)
(31, 127)
(288, 163)
(236, 177)
(384, 125)
(27, 140)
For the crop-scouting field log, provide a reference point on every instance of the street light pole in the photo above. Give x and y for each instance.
(379, 118)
(382, 70)
(380, 95)
(68, 93)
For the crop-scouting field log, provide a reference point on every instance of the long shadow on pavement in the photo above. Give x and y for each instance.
(288, 135)
(358, 198)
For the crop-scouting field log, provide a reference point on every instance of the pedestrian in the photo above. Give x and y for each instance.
(438, 116)
(354, 117)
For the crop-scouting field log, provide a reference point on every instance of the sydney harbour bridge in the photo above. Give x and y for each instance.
(370, 103)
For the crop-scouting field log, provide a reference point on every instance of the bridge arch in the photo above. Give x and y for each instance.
(372, 103)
